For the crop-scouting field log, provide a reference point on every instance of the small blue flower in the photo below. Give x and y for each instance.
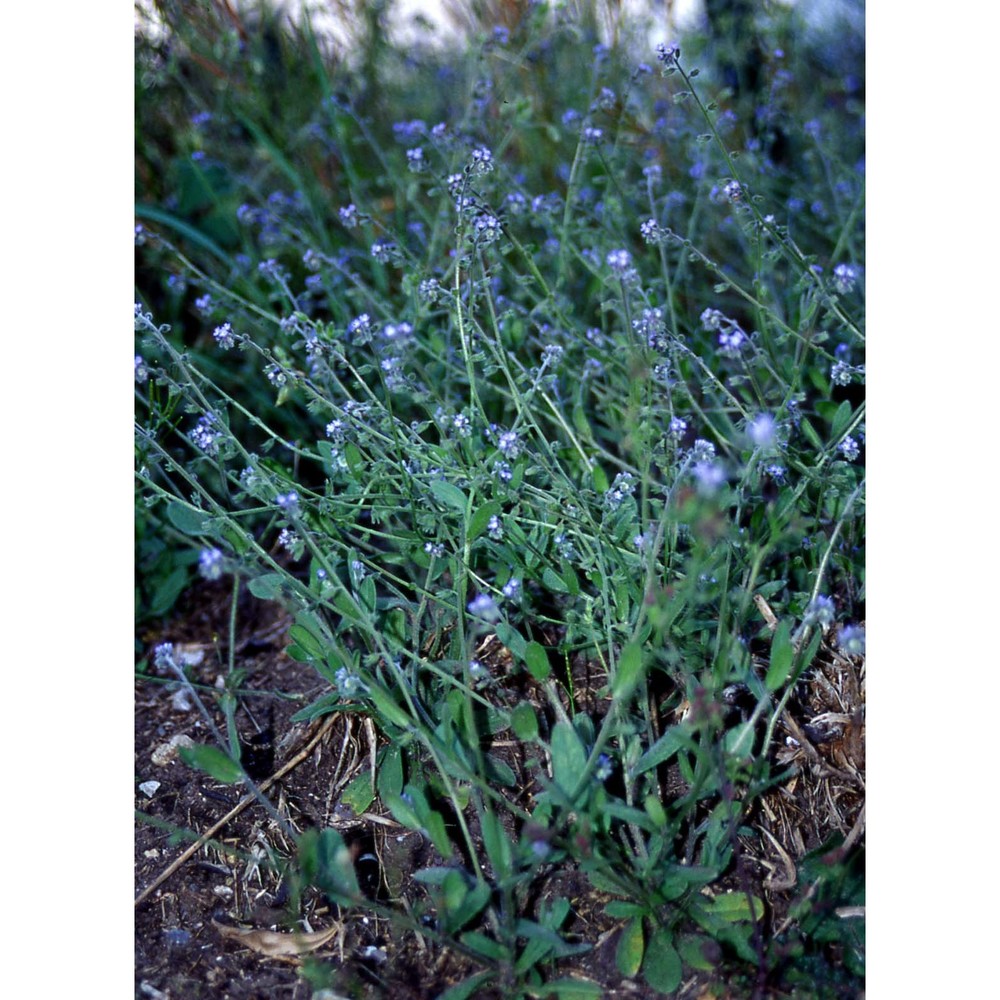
(210, 563)
(851, 640)
(484, 607)
(820, 612)
(288, 502)
(224, 336)
(762, 430)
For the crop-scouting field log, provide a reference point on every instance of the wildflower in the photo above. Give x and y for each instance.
(141, 371)
(709, 476)
(677, 427)
(570, 117)
(651, 327)
(163, 656)
(511, 588)
(415, 160)
(270, 268)
(206, 435)
(733, 190)
(605, 100)
(640, 542)
(849, 448)
(623, 486)
(358, 570)
(360, 329)
(551, 355)
(349, 216)
(841, 373)
(712, 319)
(844, 277)
(336, 430)
(288, 502)
(397, 331)
(495, 528)
(435, 549)
(776, 472)
(276, 375)
(204, 304)
(430, 290)
(851, 640)
(210, 563)
(516, 203)
(651, 232)
(347, 682)
(509, 443)
(482, 160)
(653, 173)
(503, 471)
(224, 336)
(288, 539)
(667, 54)
(732, 339)
(382, 251)
(477, 671)
(603, 769)
(484, 607)
(762, 430)
(486, 228)
(564, 546)
(702, 451)
(619, 261)
(592, 136)
(819, 612)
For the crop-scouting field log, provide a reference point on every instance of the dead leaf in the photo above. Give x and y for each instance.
(276, 944)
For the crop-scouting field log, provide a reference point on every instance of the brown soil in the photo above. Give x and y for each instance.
(220, 925)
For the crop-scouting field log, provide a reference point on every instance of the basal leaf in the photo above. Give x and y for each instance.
(662, 967)
(631, 947)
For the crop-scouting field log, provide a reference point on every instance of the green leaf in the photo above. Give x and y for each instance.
(468, 987)
(307, 642)
(662, 968)
(359, 794)
(186, 519)
(390, 772)
(387, 707)
(631, 946)
(571, 989)
(841, 419)
(554, 581)
(214, 762)
(524, 722)
(326, 863)
(734, 907)
(497, 843)
(449, 494)
(675, 738)
(619, 909)
(267, 587)
(696, 951)
(782, 656)
(481, 518)
(482, 945)
(512, 639)
(810, 432)
(569, 757)
(629, 672)
(323, 705)
(537, 661)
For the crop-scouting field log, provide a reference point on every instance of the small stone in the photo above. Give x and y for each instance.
(148, 788)
(166, 752)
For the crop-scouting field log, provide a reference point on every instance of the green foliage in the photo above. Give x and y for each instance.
(580, 402)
